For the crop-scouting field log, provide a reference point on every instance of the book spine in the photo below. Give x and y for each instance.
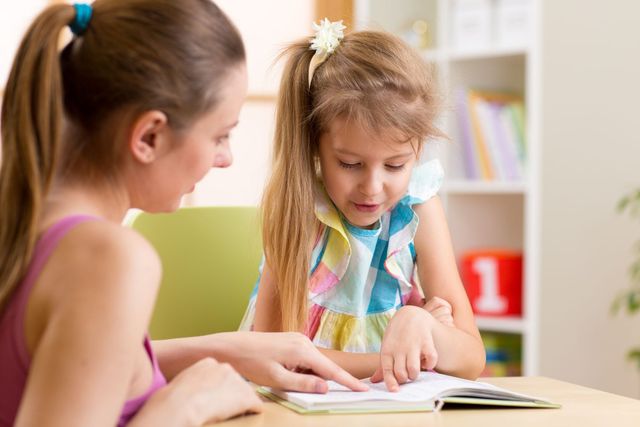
(506, 144)
(483, 108)
(481, 145)
(469, 152)
(511, 134)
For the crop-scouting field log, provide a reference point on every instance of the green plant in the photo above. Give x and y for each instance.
(629, 299)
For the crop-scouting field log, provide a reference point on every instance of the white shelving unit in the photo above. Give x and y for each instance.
(502, 213)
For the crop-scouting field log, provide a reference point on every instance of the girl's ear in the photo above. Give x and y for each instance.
(149, 136)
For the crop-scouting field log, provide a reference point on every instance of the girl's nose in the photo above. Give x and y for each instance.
(371, 184)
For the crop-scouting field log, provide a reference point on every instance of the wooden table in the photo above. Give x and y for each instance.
(581, 406)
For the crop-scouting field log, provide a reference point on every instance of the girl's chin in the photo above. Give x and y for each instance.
(363, 222)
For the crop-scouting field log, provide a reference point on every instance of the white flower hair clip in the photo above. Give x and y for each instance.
(328, 36)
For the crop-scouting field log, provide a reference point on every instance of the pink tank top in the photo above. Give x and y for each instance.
(14, 357)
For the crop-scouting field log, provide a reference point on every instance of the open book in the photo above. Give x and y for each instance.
(427, 393)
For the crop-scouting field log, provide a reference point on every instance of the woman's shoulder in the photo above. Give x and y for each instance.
(106, 259)
(109, 243)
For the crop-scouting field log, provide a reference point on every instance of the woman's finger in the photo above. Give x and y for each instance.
(326, 368)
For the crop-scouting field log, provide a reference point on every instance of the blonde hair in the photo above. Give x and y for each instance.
(135, 55)
(373, 78)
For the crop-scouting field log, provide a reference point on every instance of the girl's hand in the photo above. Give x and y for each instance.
(205, 392)
(407, 347)
(289, 361)
(441, 310)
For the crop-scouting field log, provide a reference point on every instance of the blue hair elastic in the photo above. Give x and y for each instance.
(81, 21)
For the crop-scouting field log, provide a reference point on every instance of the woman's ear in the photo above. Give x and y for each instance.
(149, 136)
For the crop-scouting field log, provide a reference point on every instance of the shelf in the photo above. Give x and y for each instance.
(491, 53)
(485, 187)
(501, 324)
(436, 55)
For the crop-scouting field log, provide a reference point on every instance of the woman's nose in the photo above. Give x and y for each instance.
(223, 158)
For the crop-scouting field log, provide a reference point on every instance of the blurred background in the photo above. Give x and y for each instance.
(541, 99)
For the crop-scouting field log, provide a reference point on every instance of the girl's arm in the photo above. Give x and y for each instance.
(414, 339)
(460, 348)
(360, 365)
(267, 317)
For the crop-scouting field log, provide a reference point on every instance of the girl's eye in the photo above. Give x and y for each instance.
(395, 167)
(349, 165)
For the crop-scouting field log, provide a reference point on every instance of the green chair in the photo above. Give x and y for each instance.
(210, 258)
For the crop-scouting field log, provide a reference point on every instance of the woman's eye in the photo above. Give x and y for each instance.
(395, 167)
(223, 139)
(349, 165)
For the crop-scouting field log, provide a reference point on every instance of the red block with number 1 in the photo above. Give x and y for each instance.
(493, 280)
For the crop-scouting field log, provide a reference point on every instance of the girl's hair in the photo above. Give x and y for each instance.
(135, 56)
(373, 79)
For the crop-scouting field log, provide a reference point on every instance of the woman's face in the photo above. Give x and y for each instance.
(204, 145)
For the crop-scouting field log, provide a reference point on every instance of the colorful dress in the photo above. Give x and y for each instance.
(360, 277)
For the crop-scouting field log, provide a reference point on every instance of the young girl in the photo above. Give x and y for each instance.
(349, 214)
(135, 110)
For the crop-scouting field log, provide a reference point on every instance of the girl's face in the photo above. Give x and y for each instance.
(365, 175)
(203, 146)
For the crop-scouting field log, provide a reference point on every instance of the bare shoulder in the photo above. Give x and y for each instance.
(103, 260)
(429, 207)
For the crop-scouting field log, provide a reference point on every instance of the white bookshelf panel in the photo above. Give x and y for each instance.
(515, 325)
(485, 221)
(460, 187)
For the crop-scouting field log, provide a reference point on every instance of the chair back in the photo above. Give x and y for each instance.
(210, 258)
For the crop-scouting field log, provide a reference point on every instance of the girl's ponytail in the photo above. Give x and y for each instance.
(31, 131)
(289, 224)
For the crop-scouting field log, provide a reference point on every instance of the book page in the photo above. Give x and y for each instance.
(429, 386)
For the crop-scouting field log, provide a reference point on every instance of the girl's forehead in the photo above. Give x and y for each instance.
(349, 137)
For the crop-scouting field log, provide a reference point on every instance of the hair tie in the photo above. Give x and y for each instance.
(81, 20)
(328, 36)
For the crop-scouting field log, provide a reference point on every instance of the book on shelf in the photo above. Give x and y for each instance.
(429, 392)
(492, 134)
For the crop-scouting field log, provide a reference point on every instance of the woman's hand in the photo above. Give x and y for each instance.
(441, 310)
(407, 347)
(205, 392)
(288, 361)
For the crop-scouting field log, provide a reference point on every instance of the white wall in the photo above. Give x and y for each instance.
(590, 159)
(15, 17)
(266, 28)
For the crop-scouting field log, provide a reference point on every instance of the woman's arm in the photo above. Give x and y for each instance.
(267, 319)
(85, 322)
(283, 359)
(265, 356)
